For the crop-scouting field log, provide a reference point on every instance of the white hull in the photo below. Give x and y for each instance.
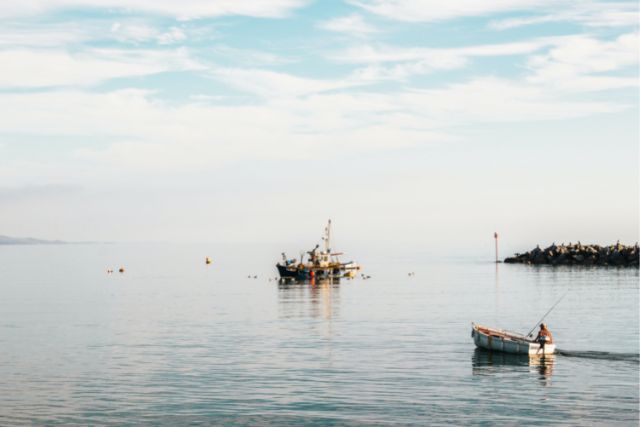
(508, 342)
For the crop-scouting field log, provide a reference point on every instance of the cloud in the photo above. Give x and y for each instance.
(135, 32)
(183, 9)
(51, 35)
(139, 135)
(411, 61)
(69, 35)
(592, 14)
(567, 62)
(494, 100)
(434, 10)
(174, 35)
(579, 63)
(386, 53)
(250, 57)
(153, 134)
(354, 25)
(274, 84)
(29, 68)
(399, 72)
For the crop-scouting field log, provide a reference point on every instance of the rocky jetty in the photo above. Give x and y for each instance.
(578, 254)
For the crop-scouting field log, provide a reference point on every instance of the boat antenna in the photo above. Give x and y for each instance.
(546, 314)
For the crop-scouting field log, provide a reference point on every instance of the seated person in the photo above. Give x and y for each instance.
(544, 336)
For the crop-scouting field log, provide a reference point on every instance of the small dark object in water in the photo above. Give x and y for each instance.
(121, 270)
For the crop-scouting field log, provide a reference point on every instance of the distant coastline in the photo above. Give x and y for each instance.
(578, 254)
(6, 240)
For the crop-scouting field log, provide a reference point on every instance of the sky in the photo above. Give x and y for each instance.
(415, 124)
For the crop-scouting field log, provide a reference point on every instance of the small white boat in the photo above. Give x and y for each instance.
(509, 342)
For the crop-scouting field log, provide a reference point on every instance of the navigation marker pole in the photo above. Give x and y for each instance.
(495, 236)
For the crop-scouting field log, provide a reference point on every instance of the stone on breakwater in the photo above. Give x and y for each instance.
(578, 254)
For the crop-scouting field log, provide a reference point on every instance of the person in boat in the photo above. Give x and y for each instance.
(544, 336)
(313, 254)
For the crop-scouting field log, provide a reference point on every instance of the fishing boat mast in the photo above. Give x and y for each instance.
(327, 238)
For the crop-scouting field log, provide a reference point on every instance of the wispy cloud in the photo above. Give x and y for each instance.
(135, 32)
(249, 57)
(76, 34)
(149, 134)
(183, 9)
(434, 10)
(589, 13)
(353, 25)
(578, 61)
(495, 100)
(173, 35)
(387, 53)
(140, 32)
(43, 35)
(272, 84)
(409, 61)
(581, 63)
(23, 68)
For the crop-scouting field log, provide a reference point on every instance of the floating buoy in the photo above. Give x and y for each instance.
(207, 260)
(121, 270)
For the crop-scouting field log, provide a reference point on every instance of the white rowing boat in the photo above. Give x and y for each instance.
(509, 342)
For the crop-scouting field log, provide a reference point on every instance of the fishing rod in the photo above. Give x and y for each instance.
(547, 313)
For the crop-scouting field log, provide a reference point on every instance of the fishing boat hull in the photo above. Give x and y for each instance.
(508, 342)
(308, 272)
(287, 273)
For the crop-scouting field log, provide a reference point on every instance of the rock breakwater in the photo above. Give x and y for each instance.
(578, 254)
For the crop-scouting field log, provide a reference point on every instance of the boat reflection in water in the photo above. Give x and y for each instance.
(316, 298)
(485, 362)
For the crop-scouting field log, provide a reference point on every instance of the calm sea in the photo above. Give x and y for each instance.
(173, 341)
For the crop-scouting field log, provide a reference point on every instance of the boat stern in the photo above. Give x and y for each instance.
(535, 350)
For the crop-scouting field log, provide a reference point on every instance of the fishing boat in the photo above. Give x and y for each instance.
(508, 342)
(321, 264)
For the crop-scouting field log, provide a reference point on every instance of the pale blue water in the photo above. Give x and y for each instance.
(173, 341)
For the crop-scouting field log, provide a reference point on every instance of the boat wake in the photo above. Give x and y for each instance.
(603, 355)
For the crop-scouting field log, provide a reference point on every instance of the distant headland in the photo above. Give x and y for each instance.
(579, 254)
(6, 240)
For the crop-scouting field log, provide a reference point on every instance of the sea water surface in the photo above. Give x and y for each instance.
(173, 341)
